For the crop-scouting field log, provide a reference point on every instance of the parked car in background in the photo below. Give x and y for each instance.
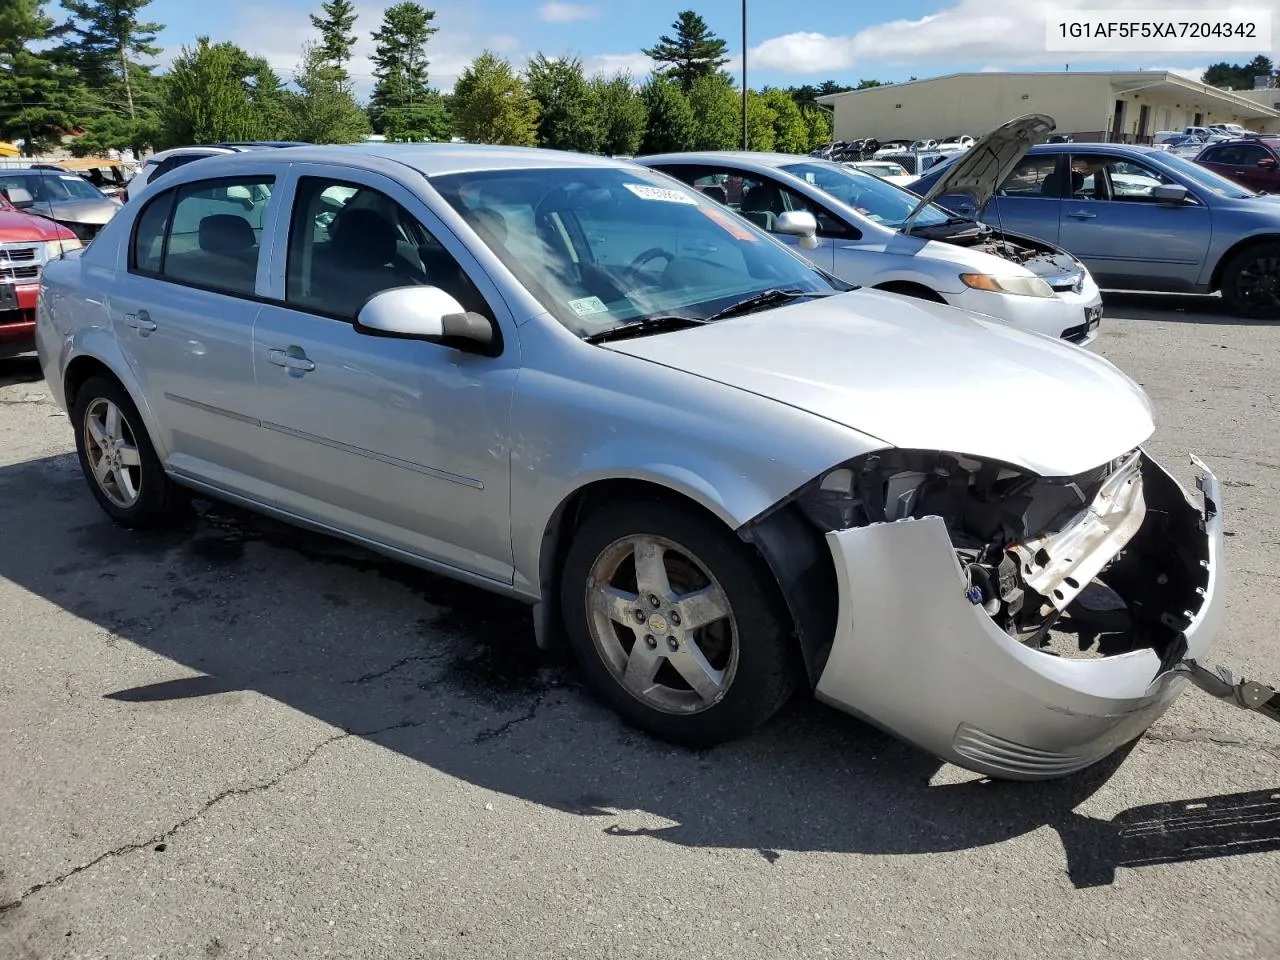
(878, 235)
(893, 146)
(108, 176)
(165, 161)
(1232, 130)
(714, 472)
(954, 144)
(1187, 230)
(895, 173)
(63, 197)
(917, 145)
(27, 243)
(915, 163)
(1252, 162)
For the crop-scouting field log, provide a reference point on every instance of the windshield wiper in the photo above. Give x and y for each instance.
(766, 298)
(646, 325)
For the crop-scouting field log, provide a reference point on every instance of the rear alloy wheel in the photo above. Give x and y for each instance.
(676, 624)
(1251, 282)
(117, 458)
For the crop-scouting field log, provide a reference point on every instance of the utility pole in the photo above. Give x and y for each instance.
(744, 74)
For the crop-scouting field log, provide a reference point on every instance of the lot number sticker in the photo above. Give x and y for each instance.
(646, 192)
(588, 306)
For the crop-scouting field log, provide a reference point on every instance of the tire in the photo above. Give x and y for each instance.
(1251, 282)
(749, 651)
(134, 491)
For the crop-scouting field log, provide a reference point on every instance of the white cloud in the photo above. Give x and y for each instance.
(1008, 32)
(557, 12)
(637, 64)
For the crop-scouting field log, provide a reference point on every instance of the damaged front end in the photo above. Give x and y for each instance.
(1017, 625)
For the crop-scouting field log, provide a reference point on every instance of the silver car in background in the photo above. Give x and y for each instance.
(876, 234)
(716, 471)
(61, 196)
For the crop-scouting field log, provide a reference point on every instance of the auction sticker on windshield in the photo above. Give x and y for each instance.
(646, 192)
(587, 306)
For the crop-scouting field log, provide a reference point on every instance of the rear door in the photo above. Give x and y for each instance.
(183, 313)
(1127, 238)
(400, 441)
(1029, 202)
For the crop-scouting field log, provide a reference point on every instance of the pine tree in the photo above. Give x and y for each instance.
(108, 42)
(694, 52)
(39, 98)
(209, 96)
(324, 109)
(492, 105)
(337, 33)
(402, 105)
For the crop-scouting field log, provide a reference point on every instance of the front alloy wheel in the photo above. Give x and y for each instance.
(112, 453)
(662, 624)
(675, 622)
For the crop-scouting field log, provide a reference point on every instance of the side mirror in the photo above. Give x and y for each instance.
(20, 197)
(1169, 193)
(799, 223)
(1267, 163)
(426, 313)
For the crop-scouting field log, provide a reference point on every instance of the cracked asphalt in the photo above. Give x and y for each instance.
(240, 740)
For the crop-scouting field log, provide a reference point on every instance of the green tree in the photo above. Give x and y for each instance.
(568, 110)
(760, 123)
(622, 114)
(790, 132)
(1239, 76)
(107, 42)
(695, 51)
(717, 113)
(491, 104)
(209, 95)
(818, 123)
(39, 98)
(323, 110)
(401, 95)
(427, 119)
(669, 123)
(337, 32)
(862, 85)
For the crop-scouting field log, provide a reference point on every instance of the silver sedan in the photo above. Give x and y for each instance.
(717, 472)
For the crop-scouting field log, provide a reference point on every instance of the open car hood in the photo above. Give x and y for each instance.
(979, 171)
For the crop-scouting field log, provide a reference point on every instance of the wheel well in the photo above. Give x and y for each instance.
(558, 535)
(1215, 280)
(78, 371)
(909, 289)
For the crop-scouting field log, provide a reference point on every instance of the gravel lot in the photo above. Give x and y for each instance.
(238, 740)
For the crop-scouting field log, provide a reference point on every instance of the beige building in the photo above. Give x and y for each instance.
(1115, 106)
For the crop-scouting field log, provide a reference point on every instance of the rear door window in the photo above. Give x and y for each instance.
(1033, 177)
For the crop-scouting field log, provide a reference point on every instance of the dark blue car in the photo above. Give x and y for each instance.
(1139, 218)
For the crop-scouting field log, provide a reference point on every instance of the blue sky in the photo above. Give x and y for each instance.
(788, 43)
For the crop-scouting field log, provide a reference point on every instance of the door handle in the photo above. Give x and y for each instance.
(290, 362)
(140, 321)
(1082, 215)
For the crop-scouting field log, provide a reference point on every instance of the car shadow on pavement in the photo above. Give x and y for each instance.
(14, 370)
(1174, 308)
(449, 676)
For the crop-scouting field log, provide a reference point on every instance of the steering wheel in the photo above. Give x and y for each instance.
(653, 253)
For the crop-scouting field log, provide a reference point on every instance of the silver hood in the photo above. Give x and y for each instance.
(979, 171)
(922, 376)
(84, 211)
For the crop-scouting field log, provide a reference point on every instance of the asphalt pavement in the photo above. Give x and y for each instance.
(236, 739)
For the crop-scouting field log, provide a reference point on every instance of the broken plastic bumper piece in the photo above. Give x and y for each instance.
(912, 654)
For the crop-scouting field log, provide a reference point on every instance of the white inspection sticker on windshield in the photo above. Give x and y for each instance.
(587, 306)
(646, 192)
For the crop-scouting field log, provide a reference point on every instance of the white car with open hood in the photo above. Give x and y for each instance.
(716, 472)
(875, 234)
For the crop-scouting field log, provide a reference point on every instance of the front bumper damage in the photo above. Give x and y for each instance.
(916, 656)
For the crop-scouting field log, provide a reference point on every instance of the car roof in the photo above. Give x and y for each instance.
(430, 159)
(733, 156)
(1094, 148)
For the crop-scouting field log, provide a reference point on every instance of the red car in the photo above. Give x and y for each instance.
(1252, 162)
(27, 243)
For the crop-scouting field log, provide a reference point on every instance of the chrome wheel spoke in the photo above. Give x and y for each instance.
(129, 456)
(701, 607)
(651, 569)
(102, 469)
(112, 422)
(642, 667)
(705, 679)
(97, 432)
(618, 605)
(124, 483)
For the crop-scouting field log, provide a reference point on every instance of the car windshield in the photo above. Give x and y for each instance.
(1205, 178)
(603, 247)
(51, 187)
(870, 196)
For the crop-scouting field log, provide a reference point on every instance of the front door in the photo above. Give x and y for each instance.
(1029, 200)
(183, 314)
(402, 442)
(1127, 238)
